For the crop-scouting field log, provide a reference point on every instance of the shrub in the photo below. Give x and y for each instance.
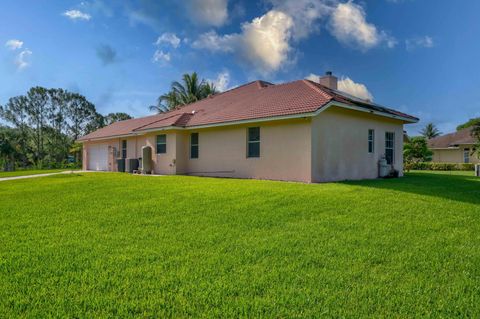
(433, 166)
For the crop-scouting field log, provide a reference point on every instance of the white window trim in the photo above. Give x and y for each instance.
(371, 141)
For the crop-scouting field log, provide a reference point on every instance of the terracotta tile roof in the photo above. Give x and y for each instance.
(453, 139)
(254, 100)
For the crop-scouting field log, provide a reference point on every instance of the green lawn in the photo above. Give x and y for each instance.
(33, 172)
(115, 245)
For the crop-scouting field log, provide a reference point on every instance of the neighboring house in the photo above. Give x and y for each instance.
(297, 131)
(458, 147)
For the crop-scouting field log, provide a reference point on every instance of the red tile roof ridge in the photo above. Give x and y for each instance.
(159, 120)
(315, 87)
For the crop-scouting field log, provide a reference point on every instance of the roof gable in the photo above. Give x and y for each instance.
(463, 136)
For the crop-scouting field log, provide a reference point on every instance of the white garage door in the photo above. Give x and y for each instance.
(98, 157)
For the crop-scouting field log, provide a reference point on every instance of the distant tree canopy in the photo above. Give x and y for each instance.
(191, 89)
(469, 123)
(430, 131)
(44, 124)
(111, 118)
(416, 150)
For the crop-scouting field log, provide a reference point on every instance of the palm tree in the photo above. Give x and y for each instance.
(430, 131)
(189, 91)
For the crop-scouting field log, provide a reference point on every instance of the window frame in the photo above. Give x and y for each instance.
(124, 149)
(390, 148)
(157, 143)
(466, 155)
(371, 141)
(196, 145)
(253, 142)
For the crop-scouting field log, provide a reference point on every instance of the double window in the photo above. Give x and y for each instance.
(371, 141)
(390, 147)
(253, 142)
(194, 145)
(161, 144)
(466, 155)
(124, 148)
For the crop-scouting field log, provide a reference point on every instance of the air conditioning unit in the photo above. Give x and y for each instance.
(477, 170)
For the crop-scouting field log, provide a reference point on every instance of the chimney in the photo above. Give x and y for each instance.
(329, 80)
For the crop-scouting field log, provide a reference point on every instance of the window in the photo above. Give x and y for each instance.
(371, 141)
(124, 148)
(466, 155)
(390, 147)
(161, 144)
(194, 145)
(253, 142)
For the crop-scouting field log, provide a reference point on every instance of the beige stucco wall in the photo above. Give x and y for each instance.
(284, 152)
(340, 144)
(453, 155)
(329, 147)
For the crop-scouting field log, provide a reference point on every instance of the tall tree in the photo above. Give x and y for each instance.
(191, 89)
(15, 112)
(416, 150)
(8, 147)
(430, 131)
(470, 123)
(476, 135)
(37, 110)
(111, 118)
(80, 114)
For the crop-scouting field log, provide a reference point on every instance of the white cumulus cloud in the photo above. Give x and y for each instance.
(77, 15)
(161, 57)
(14, 44)
(306, 14)
(22, 60)
(347, 85)
(419, 42)
(349, 25)
(264, 42)
(222, 81)
(208, 12)
(168, 38)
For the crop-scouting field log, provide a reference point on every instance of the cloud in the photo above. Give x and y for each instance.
(77, 15)
(14, 44)
(106, 54)
(22, 60)
(305, 14)
(208, 12)
(161, 57)
(169, 38)
(356, 89)
(348, 24)
(347, 85)
(419, 42)
(222, 81)
(263, 43)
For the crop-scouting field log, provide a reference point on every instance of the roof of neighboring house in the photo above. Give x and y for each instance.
(253, 101)
(463, 136)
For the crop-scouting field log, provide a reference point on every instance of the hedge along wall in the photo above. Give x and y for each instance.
(432, 166)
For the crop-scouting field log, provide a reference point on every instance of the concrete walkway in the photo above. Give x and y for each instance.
(38, 175)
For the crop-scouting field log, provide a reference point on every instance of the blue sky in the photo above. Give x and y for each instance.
(418, 56)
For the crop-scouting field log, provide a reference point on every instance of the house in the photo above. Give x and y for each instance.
(458, 147)
(297, 131)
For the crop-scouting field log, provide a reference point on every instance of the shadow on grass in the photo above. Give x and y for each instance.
(458, 187)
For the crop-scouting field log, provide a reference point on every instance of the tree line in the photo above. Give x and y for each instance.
(43, 125)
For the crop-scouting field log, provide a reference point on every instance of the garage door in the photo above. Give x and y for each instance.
(98, 157)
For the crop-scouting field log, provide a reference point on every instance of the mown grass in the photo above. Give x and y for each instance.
(26, 172)
(114, 245)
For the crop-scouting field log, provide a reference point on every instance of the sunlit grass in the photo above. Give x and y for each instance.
(117, 245)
